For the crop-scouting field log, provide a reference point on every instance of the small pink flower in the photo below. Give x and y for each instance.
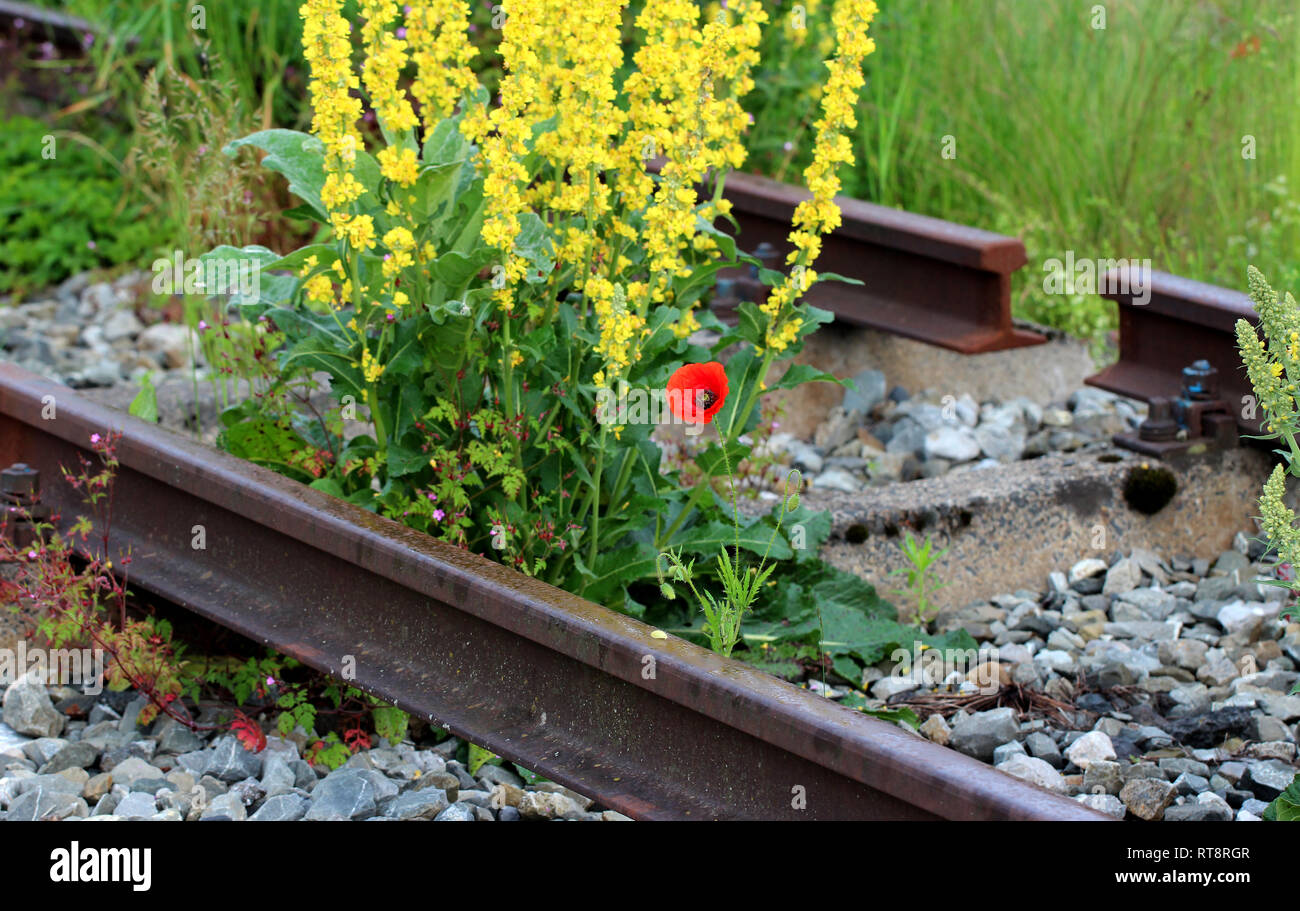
(390, 316)
(401, 32)
(95, 438)
(438, 515)
(31, 555)
(90, 245)
(203, 325)
(433, 497)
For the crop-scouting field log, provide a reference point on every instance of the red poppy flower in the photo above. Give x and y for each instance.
(696, 392)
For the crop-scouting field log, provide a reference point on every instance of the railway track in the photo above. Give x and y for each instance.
(654, 728)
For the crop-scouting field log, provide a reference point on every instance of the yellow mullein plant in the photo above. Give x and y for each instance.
(509, 282)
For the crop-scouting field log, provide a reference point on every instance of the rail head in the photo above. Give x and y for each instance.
(713, 692)
(1180, 298)
(883, 226)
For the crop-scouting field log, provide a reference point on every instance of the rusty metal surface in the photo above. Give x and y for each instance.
(923, 278)
(1183, 321)
(657, 729)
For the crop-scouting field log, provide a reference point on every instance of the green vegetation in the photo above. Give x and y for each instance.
(1123, 141)
(67, 213)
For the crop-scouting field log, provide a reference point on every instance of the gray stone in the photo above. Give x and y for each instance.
(171, 341)
(805, 458)
(344, 794)
(132, 768)
(1103, 777)
(1123, 577)
(72, 756)
(496, 774)
(837, 479)
(1147, 798)
(1241, 617)
(1184, 653)
(1150, 630)
(892, 685)
(46, 803)
(229, 761)
(839, 427)
(1035, 771)
(543, 805)
(1103, 803)
(1217, 672)
(28, 709)
(1188, 784)
(196, 763)
(1090, 747)
(1198, 812)
(1229, 562)
(249, 791)
(868, 392)
(277, 777)
(955, 443)
(908, 437)
(1173, 766)
(282, 808)
(1042, 747)
(179, 739)
(425, 804)
(136, 805)
(121, 325)
(1006, 751)
(1156, 605)
(1000, 441)
(457, 812)
(1268, 777)
(228, 806)
(980, 734)
(43, 749)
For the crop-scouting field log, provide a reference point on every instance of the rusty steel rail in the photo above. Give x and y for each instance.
(654, 728)
(1182, 322)
(923, 278)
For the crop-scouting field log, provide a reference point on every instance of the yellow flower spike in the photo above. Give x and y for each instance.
(442, 52)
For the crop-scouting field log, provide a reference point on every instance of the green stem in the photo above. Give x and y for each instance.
(595, 491)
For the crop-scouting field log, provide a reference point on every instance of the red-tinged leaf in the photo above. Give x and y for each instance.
(249, 732)
(356, 739)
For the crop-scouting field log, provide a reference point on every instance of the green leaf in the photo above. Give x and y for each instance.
(145, 404)
(390, 723)
(899, 715)
(712, 461)
(321, 352)
(445, 145)
(403, 461)
(799, 374)
(478, 757)
(711, 537)
(836, 277)
(298, 156)
(456, 269)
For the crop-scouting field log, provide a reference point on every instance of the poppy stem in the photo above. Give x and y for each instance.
(738, 417)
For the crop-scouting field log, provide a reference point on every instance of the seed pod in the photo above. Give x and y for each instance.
(667, 591)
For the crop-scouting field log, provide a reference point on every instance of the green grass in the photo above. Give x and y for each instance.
(1116, 142)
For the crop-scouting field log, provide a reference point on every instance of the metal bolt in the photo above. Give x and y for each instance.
(20, 483)
(1200, 381)
(1160, 425)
